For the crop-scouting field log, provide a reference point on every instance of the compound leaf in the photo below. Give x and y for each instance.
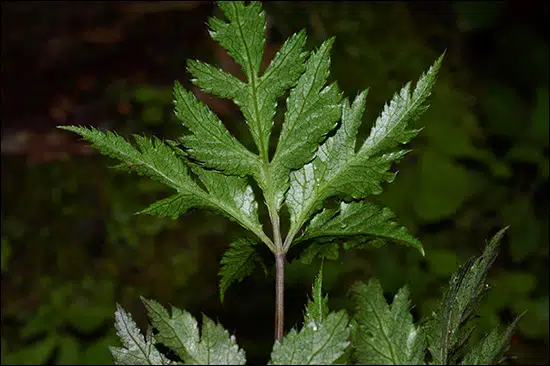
(238, 262)
(179, 331)
(386, 335)
(244, 39)
(338, 171)
(137, 350)
(243, 36)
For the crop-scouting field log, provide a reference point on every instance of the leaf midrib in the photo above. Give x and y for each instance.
(223, 133)
(413, 105)
(179, 186)
(136, 341)
(252, 82)
(342, 317)
(383, 330)
(168, 322)
(288, 133)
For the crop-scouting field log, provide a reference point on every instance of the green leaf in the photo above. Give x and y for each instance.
(244, 36)
(231, 196)
(213, 80)
(137, 350)
(314, 345)
(317, 307)
(312, 112)
(338, 171)
(491, 348)
(447, 328)
(154, 158)
(322, 339)
(322, 248)
(363, 242)
(285, 68)
(180, 333)
(244, 39)
(358, 218)
(173, 206)
(211, 142)
(238, 262)
(386, 335)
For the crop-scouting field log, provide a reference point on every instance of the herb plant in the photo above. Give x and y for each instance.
(315, 159)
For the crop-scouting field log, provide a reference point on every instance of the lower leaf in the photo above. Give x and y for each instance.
(137, 350)
(179, 331)
(315, 344)
(323, 338)
(490, 349)
(238, 262)
(386, 335)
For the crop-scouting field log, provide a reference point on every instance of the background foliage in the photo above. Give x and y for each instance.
(71, 246)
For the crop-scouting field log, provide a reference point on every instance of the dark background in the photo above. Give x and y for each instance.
(71, 247)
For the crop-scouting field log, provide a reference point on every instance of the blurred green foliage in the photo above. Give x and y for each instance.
(82, 307)
(71, 246)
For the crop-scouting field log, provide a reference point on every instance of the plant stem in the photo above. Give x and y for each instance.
(279, 276)
(279, 295)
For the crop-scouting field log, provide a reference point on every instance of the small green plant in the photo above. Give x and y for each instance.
(315, 160)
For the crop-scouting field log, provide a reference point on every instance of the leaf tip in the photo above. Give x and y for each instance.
(329, 43)
(498, 236)
(144, 300)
